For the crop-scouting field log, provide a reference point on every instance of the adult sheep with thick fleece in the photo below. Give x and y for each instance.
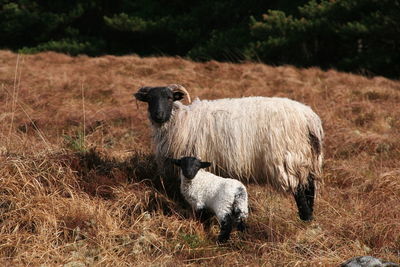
(269, 140)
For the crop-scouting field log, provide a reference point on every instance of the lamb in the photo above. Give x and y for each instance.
(225, 197)
(270, 140)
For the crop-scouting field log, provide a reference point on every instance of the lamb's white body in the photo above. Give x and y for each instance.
(267, 139)
(221, 195)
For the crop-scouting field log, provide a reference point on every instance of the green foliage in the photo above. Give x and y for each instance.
(69, 46)
(199, 29)
(76, 143)
(351, 35)
(192, 240)
(123, 22)
(225, 45)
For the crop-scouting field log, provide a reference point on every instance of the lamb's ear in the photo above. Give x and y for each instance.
(178, 96)
(141, 94)
(205, 164)
(177, 162)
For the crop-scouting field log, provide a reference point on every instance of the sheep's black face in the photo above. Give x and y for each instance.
(159, 100)
(190, 166)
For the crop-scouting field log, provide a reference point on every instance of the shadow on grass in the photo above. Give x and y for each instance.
(99, 176)
(137, 179)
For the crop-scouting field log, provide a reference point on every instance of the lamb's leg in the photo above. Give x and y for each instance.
(304, 197)
(226, 228)
(204, 216)
(239, 219)
(240, 208)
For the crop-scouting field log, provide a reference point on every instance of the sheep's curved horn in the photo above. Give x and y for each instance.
(180, 88)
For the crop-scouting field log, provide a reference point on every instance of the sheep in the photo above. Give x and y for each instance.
(270, 140)
(225, 197)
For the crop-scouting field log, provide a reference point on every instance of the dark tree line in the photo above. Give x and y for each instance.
(352, 35)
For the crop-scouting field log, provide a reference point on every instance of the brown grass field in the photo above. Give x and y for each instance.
(78, 185)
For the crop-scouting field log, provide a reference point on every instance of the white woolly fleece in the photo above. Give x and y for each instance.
(207, 190)
(266, 139)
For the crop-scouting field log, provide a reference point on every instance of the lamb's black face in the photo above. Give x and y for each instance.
(159, 100)
(190, 166)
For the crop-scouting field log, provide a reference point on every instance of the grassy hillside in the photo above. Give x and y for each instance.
(78, 184)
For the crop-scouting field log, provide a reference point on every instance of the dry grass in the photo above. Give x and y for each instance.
(78, 185)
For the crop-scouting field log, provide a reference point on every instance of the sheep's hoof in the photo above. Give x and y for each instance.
(223, 238)
(241, 226)
(306, 217)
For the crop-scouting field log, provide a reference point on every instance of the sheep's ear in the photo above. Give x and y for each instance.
(205, 164)
(178, 96)
(141, 95)
(177, 162)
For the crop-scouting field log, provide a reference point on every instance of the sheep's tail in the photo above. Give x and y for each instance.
(316, 138)
(240, 204)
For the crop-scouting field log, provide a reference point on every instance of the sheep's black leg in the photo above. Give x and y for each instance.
(304, 197)
(310, 192)
(204, 216)
(305, 212)
(226, 228)
(241, 226)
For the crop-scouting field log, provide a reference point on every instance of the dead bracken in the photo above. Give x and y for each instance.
(78, 183)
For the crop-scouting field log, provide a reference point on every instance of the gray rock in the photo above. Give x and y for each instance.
(367, 261)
